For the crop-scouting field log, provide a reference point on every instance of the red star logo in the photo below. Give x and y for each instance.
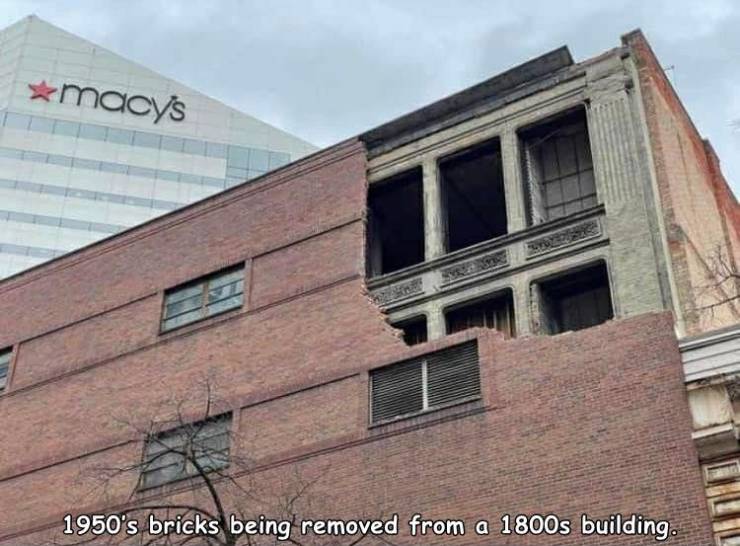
(41, 90)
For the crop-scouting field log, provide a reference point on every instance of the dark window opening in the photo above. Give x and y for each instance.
(474, 201)
(395, 223)
(558, 170)
(414, 330)
(432, 381)
(576, 300)
(496, 313)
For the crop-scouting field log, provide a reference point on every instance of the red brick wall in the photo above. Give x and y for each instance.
(593, 421)
(700, 212)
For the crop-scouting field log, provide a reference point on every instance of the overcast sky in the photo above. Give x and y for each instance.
(327, 70)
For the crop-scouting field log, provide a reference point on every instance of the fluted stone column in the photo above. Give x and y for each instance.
(621, 179)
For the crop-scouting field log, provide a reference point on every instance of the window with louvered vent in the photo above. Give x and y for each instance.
(425, 383)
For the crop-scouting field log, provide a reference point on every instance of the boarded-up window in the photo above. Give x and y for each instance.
(558, 168)
(186, 451)
(425, 383)
(203, 298)
(4, 367)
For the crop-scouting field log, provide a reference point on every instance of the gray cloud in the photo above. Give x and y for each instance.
(326, 70)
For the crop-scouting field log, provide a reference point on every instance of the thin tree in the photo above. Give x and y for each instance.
(188, 471)
(722, 286)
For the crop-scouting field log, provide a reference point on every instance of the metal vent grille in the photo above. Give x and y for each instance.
(397, 390)
(453, 374)
(423, 383)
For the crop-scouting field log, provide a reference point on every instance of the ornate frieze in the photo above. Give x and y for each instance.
(563, 237)
(476, 266)
(399, 291)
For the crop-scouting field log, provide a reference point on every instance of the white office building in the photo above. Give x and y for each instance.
(92, 143)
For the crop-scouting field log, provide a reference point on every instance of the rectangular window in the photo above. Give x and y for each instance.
(195, 147)
(10, 153)
(17, 121)
(144, 172)
(81, 163)
(93, 132)
(60, 160)
(558, 168)
(214, 182)
(214, 149)
(259, 160)
(172, 144)
(414, 330)
(186, 451)
(237, 156)
(576, 300)
(425, 383)
(204, 298)
(146, 140)
(67, 128)
(473, 193)
(236, 172)
(43, 125)
(494, 312)
(120, 136)
(38, 157)
(4, 367)
(395, 228)
(113, 167)
(278, 159)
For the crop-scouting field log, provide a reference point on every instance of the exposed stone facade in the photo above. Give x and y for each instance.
(635, 233)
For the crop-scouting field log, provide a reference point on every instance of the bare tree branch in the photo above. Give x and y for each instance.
(201, 479)
(722, 285)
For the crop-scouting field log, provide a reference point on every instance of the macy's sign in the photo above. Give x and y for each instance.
(113, 101)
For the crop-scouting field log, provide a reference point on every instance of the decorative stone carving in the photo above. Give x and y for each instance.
(563, 237)
(399, 291)
(469, 268)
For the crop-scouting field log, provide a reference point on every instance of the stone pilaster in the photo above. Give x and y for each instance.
(512, 167)
(620, 183)
(434, 217)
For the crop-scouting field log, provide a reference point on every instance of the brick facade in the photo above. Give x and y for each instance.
(700, 212)
(592, 421)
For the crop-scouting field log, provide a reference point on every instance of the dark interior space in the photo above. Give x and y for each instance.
(496, 312)
(414, 330)
(576, 300)
(558, 170)
(473, 189)
(395, 223)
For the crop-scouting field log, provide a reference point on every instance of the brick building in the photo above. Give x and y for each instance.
(467, 312)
